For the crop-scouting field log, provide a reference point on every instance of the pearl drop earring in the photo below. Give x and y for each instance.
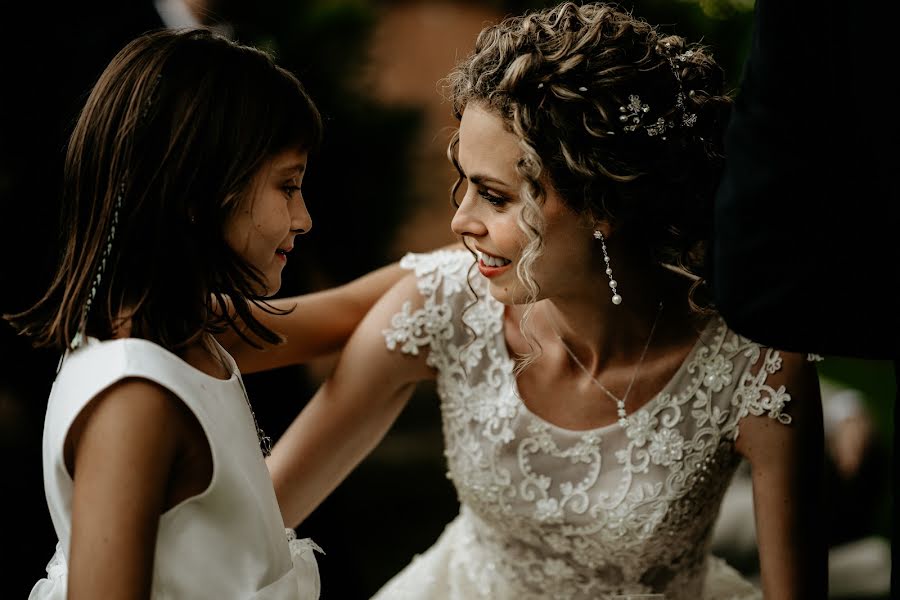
(616, 298)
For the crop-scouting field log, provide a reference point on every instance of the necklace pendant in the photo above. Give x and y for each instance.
(265, 443)
(620, 402)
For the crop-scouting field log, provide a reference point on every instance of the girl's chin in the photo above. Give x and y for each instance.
(272, 285)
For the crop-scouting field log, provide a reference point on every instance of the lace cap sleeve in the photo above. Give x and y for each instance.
(759, 390)
(443, 285)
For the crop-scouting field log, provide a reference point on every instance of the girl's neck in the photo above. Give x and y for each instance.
(203, 354)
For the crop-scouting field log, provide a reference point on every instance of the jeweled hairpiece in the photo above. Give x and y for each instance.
(687, 118)
(633, 113)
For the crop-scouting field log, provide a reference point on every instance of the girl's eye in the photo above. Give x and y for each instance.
(291, 189)
(492, 199)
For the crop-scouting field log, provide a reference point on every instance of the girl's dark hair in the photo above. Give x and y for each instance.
(175, 129)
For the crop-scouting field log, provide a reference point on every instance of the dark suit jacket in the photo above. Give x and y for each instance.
(805, 252)
(806, 230)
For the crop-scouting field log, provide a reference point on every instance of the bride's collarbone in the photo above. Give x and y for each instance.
(570, 400)
(558, 391)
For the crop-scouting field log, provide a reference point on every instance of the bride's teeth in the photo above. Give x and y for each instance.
(492, 261)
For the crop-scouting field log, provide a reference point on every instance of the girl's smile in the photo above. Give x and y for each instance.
(262, 231)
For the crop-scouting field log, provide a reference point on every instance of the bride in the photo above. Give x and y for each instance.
(594, 405)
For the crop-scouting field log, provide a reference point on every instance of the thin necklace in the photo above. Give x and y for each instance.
(265, 442)
(620, 402)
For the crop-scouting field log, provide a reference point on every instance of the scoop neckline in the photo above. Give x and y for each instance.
(514, 385)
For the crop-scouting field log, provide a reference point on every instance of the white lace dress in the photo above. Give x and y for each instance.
(549, 513)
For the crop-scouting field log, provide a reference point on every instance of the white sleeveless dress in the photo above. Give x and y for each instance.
(553, 514)
(227, 542)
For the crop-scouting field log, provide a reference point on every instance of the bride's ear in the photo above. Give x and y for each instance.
(599, 226)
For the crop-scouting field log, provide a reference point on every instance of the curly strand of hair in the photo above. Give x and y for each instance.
(530, 220)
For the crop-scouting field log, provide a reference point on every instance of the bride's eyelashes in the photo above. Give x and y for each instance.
(492, 198)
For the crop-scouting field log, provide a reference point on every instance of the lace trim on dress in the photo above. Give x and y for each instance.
(306, 568)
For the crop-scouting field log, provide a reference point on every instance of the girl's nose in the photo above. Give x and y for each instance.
(301, 222)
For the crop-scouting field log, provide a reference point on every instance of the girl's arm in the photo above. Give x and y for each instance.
(121, 451)
(350, 413)
(319, 324)
(786, 462)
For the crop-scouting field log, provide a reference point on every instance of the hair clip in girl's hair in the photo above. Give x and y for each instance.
(80, 335)
(151, 97)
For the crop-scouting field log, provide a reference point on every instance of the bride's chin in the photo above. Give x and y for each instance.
(508, 295)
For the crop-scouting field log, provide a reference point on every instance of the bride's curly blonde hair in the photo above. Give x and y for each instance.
(561, 78)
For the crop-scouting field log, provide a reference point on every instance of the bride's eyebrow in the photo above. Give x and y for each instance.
(478, 179)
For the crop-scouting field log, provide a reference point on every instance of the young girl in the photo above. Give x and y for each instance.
(183, 183)
(594, 405)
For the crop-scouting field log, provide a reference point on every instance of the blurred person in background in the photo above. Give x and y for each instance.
(807, 210)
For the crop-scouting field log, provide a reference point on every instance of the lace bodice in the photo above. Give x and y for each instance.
(554, 513)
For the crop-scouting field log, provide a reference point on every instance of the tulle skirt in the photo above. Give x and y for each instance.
(447, 571)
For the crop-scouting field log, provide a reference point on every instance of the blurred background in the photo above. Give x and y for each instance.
(377, 189)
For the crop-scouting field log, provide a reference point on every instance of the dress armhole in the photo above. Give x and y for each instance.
(183, 407)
